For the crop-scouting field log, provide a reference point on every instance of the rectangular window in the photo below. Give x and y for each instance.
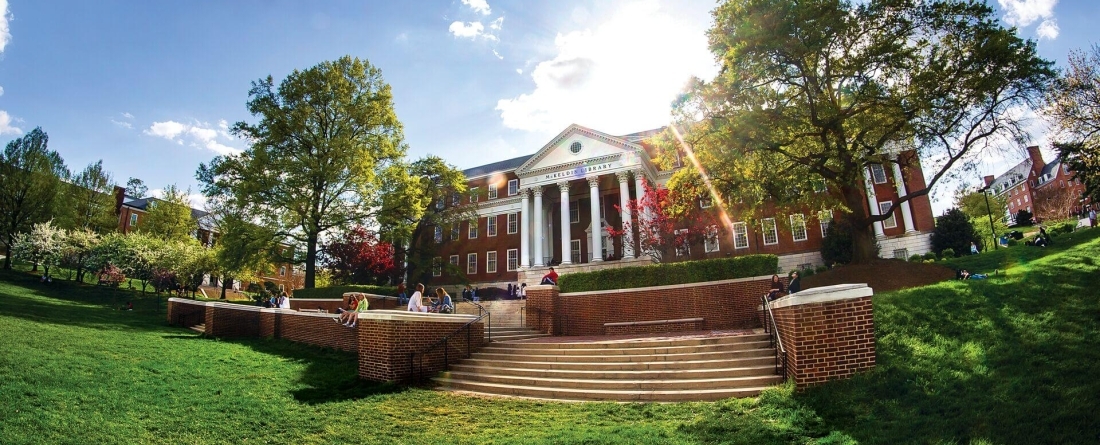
(891, 222)
(1025, 198)
(513, 259)
(490, 262)
(513, 187)
(901, 254)
(878, 173)
(798, 227)
(705, 203)
(575, 251)
(492, 191)
(437, 268)
(454, 261)
(681, 242)
(491, 227)
(513, 223)
(455, 200)
(471, 233)
(575, 213)
(740, 235)
(824, 218)
(438, 234)
(819, 186)
(133, 219)
(455, 231)
(471, 263)
(282, 271)
(473, 194)
(711, 242)
(771, 233)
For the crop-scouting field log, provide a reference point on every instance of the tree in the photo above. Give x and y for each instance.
(983, 209)
(169, 217)
(30, 175)
(136, 188)
(77, 250)
(1023, 217)
(242, 247)
(1073, 107)
(954, 231)
(43, 245)
(319, 152)
(88, 202)
(1054, 203)
(664, 224)
(358, 257)
(812, 93)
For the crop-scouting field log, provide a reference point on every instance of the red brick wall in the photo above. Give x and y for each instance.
(232, 320)
(385, 347)
(726, 304)
(655, 328)
(185, 313)
(827, 341)
(315, 329)
(330, 305)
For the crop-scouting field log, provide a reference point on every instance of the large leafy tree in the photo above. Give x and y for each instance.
(30, 176)
(324, 140)
(87, 201)
(666, 223)
(44, 244)
(357, 256)
(987, 212)
(243, 248)
(169, 217)
(1074, 109)
(812, 92)
(954, 231)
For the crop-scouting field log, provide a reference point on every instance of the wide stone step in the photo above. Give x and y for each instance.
(661, 343)
(511, 329)
(716, 355)
(200, 328)
(660, 374)
(514, 337)
(518, 349)
(596, 394)
(617, 385)
(626, 366)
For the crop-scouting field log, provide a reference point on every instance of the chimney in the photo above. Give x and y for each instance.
(1036, 156)
(988, 180)
(120, 197)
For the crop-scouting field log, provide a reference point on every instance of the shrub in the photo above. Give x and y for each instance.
(809, 272)
(822, 268)
(1023, 218)
(670, 273)
(836, 246)
(1060, 227)
(930, 256)
(948, 253)
(336, 292)
(954, 231)
(915, 258)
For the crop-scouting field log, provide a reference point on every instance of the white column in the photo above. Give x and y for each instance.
(872, 200)
(597, 222)
(639, 193)
(524, 230)
(538, 227)
(906, 212)
(566, 255)
(624, 214)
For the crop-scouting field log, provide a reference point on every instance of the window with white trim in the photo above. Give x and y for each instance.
(575, 251)
(824, 219)
(133, 219)
(471, 232)
(798, 227)
(681, 242)
(471, 263)
(513, 223)
(492, 191)
(878, 173)
(455, 235)
(456, 200)
(438, 234)
(884, 208)
(454, 261)
(740, 235)
(771, 232)
(491, 262)
(705, 203)
(513, 259)
(473, 194)
(1025, 198)
(710, 244)
(437, 267)
(491, 227)
(513, 187)
(574, 213)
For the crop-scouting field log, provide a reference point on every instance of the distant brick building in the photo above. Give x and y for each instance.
(1046, 190)
(538, 210)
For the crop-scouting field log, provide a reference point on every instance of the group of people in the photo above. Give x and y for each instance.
(777, 289)
(442, 304)
(281, 301)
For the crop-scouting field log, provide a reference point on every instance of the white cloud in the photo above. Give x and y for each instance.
(469, 30)
(595, 79)
(481, 6)
(495, 53)
(1, 91)
(1048, 29)
(1022, 13)
(5, 31)
(199, 135)
(122, 124)
(5, 124)
(127, 115)
(519, 71)
(497, 24)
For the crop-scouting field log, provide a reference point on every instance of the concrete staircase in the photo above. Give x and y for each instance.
(511, 333)
(200, 328)
(657, 370)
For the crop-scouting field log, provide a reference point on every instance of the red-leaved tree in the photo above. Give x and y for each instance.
(358, 257)
(667, 222)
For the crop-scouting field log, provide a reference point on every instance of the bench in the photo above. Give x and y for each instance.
(650, 326)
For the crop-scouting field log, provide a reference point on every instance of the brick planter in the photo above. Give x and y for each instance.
(828, 332)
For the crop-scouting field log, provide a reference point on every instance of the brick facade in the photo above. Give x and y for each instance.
(389, 350)
(826, 340)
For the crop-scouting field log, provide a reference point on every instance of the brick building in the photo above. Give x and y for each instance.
(538, 210)
(1046, 190)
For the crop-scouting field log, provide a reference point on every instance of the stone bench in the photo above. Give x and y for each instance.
(651, 326)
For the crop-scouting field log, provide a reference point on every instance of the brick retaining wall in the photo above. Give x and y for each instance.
(385, 346)
(331, 304)
(830, 339)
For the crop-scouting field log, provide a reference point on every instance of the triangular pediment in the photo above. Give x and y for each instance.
(577, 145)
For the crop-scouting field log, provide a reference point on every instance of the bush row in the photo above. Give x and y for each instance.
(670, 273)
(336, 292)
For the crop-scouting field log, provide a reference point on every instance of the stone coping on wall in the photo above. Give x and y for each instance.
(661, 288)
(824, 294)
(348, 294)
(390, 315)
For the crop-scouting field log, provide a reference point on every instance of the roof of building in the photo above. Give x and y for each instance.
(501, 166)
(1011, 177)
(143, 205)
(1050, 170)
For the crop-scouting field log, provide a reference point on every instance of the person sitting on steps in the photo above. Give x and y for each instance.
(550, 278)
(776, 288)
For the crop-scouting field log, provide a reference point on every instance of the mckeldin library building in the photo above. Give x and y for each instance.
(553, 208)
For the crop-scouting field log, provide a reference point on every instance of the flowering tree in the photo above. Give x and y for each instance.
(42, 245)
(358, 257)
(666, 221)
(77, 250)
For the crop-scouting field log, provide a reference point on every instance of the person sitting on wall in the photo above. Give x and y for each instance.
(550, 278)
(416, 302)
(283, 302)
(467, 293)
(353, 316)
(345, 314)
(795, 283)
(523, 291)
(443, 305)
(402, 294)
(776, 288)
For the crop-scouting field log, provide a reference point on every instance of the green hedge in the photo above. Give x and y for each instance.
(337, 292)
(670, 273)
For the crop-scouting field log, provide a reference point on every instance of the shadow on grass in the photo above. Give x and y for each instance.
(1006, 361)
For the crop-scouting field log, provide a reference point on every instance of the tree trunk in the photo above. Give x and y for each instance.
(864, 247)
(311, 261)
(225, 283)
(7, 253)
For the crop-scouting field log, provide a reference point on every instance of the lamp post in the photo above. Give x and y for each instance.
(989, 212)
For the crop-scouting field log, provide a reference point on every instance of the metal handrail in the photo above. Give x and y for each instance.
(446, 348)
(481, 311)
(776, 340)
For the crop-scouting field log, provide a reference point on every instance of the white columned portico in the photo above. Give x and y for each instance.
(639, 193)
(872, 201)
(566, 255)
(624, 214)
(906, 212)
(539, 262)
(597, 222)
(524, 229)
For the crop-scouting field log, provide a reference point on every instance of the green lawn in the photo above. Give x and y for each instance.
(1007, 360)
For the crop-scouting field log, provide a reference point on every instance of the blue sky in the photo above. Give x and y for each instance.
(148, 85)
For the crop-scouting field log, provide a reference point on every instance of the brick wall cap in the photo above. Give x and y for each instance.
(542, 287)
(349, 294)
(824, 294)
(415, 316)
(666, 287)
(243, 307)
